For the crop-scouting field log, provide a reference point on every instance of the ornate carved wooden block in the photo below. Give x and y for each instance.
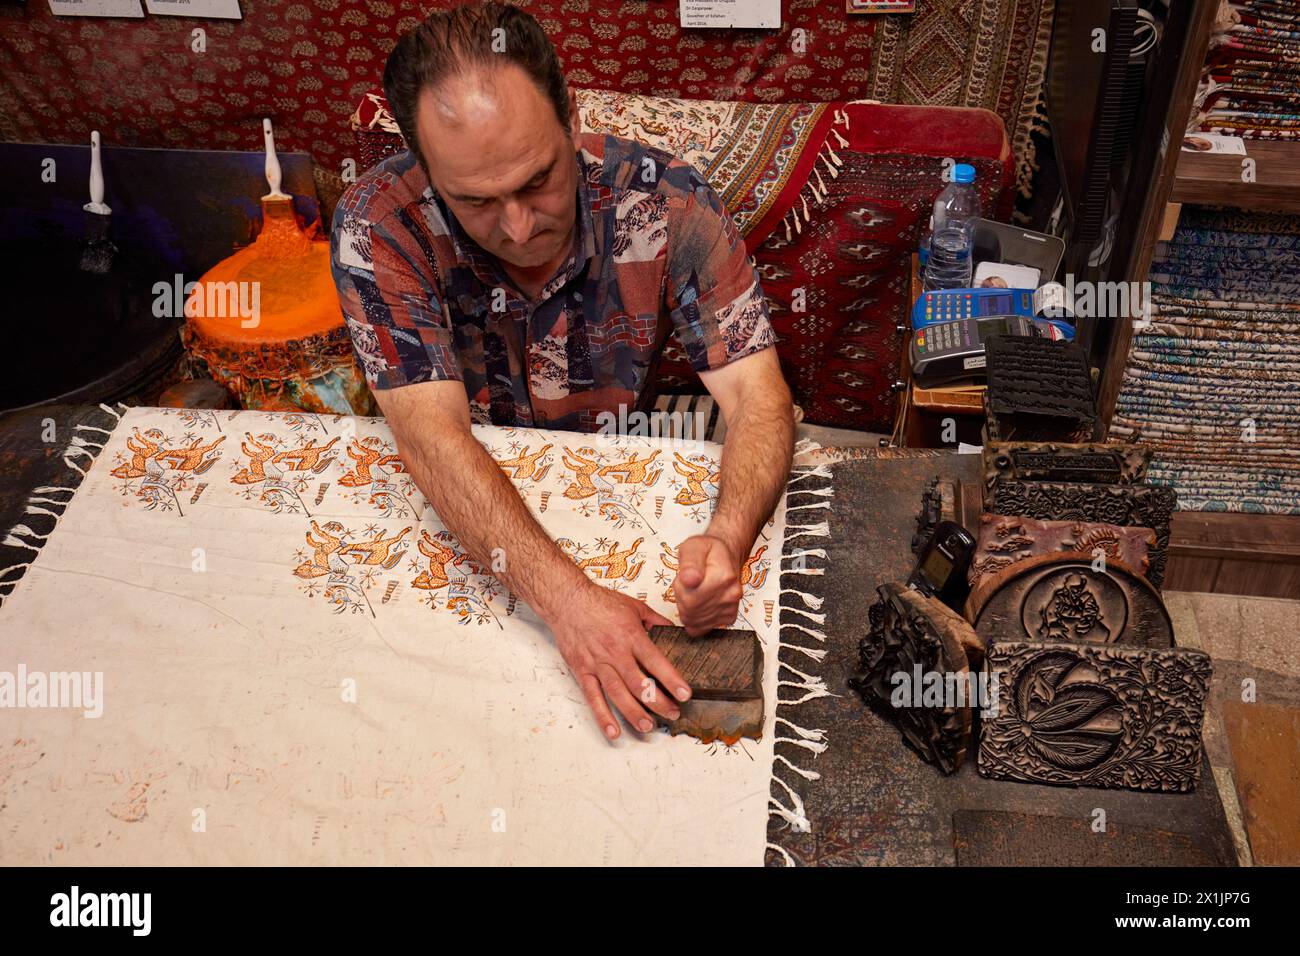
(916, 670)
(1142, 506)
(725, 671)
(1038, 390)
(1001, 540)
(1096, 715)
(1092, 462)
(1062, 597)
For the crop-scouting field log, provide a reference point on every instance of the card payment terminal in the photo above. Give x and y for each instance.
(951, 305)
(947, 351)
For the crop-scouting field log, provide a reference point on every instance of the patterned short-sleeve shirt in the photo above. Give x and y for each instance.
(655, 252)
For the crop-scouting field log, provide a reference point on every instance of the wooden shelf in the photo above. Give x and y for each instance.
(1214, 179)
(1227, 553)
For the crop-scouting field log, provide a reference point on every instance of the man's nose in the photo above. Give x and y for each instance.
(517, 221)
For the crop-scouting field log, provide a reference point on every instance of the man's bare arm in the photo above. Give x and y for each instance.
(600, 633)
(755, 401)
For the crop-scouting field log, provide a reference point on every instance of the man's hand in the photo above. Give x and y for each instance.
(602, 637)
(708, 584)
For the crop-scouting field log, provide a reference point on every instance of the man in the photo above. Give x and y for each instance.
(509, 269)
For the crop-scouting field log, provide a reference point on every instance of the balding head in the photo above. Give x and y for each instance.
(480, 98)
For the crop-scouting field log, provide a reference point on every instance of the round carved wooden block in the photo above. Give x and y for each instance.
(1060, 597)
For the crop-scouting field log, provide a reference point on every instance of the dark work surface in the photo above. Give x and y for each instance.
(28, 461)
(876, 802)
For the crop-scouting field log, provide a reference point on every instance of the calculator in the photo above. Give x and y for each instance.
(947, 351)
(951, 305)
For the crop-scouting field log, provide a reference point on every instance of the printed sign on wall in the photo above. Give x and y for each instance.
(225, 9)
(744, 14)
(96, 8)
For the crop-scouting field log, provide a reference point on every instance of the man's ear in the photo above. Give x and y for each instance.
(575, 122)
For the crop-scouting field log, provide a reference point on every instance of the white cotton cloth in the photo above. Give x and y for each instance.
(344, 715)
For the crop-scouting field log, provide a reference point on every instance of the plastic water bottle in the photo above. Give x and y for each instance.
(952, 240)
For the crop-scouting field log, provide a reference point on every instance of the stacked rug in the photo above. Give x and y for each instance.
(1252, 74)
(1213, 383)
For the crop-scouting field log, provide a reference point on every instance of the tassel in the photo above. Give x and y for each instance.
(794, 816)
(815, 653)
(806, 553)
(806, 774)
(821, 530)
(819, 635)
(823, 492)
(805, 734)
(789, 860)
(836, 133)
(823, 470)
(811, 600)
(817, 618)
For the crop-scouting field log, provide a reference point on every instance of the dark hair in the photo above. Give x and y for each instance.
(451, 41)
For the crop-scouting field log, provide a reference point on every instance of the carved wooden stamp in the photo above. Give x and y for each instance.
(1063, 597)
(1004, 539)
(1142, 506)
(724, 669)
(1096, 715)
(1038, 390)
(1091, 462)
(919, 669)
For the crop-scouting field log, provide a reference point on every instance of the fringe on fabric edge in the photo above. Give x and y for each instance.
(50, 500)
(815, 187)
(801, 628)
(1034, 104)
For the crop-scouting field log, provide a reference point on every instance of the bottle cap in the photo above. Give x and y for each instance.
(963, 173)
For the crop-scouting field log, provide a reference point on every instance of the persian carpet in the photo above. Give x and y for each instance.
(300, 664)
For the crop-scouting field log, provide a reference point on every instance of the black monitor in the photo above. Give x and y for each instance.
(1088, 82)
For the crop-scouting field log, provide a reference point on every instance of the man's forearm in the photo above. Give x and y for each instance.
(483, 509)
(755, 466)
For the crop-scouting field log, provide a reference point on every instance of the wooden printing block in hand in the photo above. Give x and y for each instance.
(724, 669)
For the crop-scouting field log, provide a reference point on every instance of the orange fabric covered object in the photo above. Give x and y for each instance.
(267, 325)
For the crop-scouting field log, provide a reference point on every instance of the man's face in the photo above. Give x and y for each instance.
(500, 159)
